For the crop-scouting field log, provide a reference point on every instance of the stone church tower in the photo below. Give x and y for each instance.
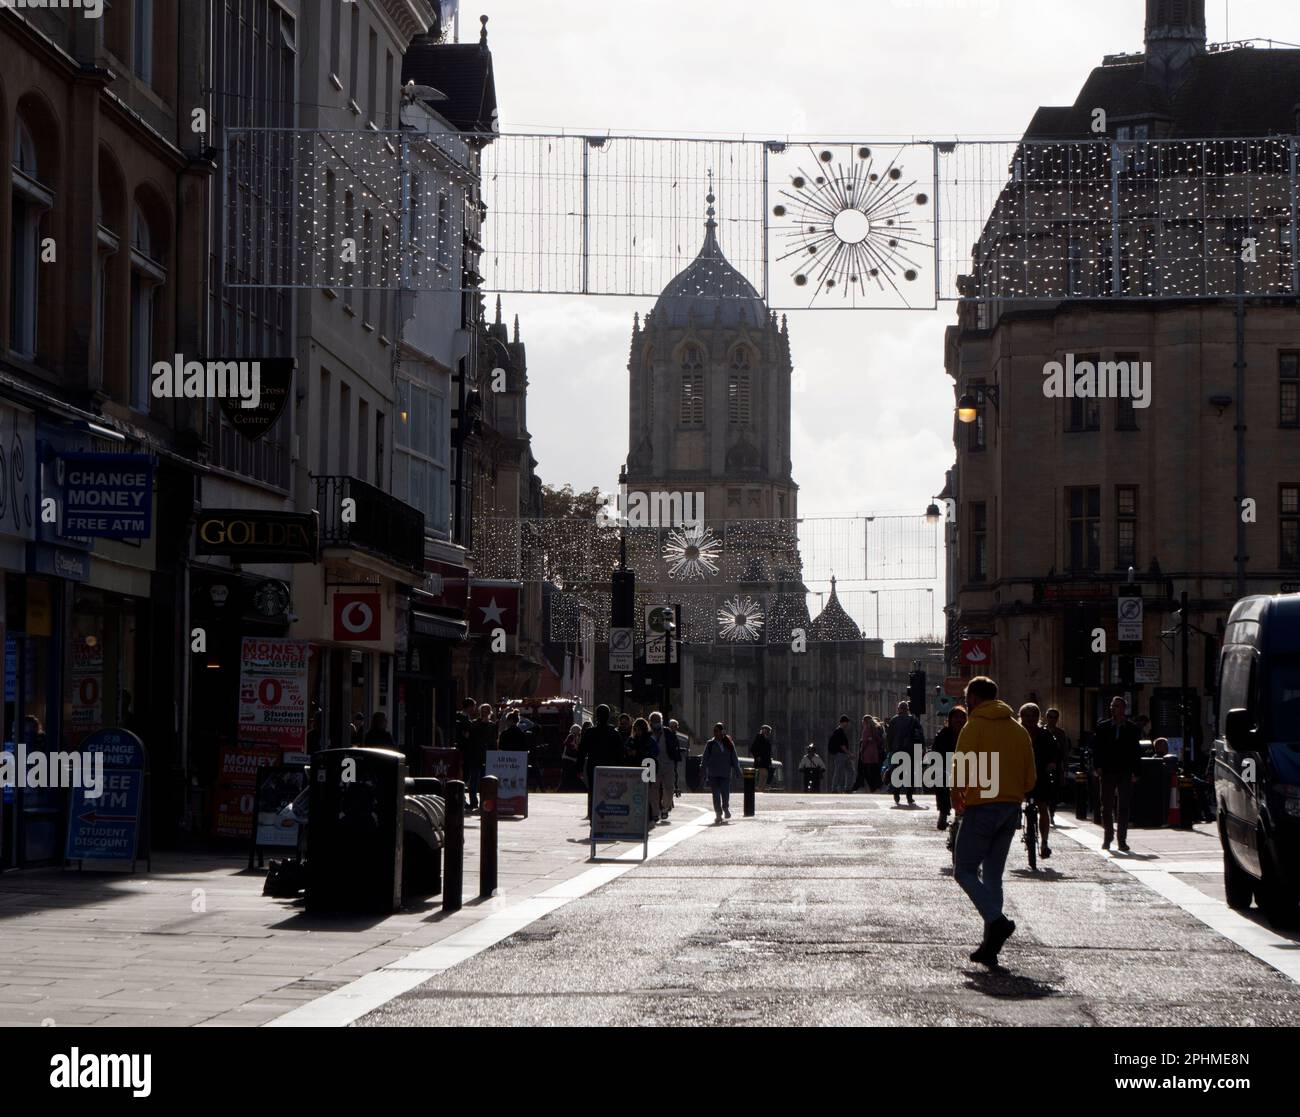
(709, 414)
(710, 393)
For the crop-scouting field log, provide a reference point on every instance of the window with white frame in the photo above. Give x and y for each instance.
(422, 453)
(147, 277)
(30, 202)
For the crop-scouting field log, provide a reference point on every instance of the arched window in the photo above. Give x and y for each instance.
(692, 358)
(32, 199)
(741, 358)
(148, 275)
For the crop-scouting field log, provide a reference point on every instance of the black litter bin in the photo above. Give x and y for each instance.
(354, 861)
(1150, 806)
(693, 775)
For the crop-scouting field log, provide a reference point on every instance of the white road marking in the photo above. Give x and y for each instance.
(1270, 948)
(349, 1003)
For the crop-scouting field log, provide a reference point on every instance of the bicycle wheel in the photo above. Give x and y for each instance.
(1031, 836)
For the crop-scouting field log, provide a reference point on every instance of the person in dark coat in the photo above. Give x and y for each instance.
(720, 764)
(839, 751)
(378, 733)
(902, 732)
(1116, 753)
(1043, 793)
(761, 751)
(482, 738)
(945, 743)
(512, 737)
(601, 747)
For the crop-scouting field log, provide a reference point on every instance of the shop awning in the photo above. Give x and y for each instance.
(430, 626)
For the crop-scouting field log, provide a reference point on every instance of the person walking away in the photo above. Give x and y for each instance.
(569, 780)
(992, 771)
(483, 736)
(645, 747)
(812, 768)
(901, 734)
(678, 746)
(840, 752)
(625, 735)
(661, 791)
(945, 743)
(378, 733)
(600, 747)
(761, 751)
(719, 764)
(1053, 717)
(513, 738)
(1043, 793)
(868, 756)
(1116, 751)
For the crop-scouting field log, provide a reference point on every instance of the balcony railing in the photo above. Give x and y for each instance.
(376, 522)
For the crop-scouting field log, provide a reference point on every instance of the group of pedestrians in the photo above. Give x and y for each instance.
(865, 763)
(631, 743)
(477, 733)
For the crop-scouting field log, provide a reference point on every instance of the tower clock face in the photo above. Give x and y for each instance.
(271, 599)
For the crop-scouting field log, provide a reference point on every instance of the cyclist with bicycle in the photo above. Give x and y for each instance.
(1042, 796)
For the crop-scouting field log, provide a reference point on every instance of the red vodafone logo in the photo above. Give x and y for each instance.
(356, 616)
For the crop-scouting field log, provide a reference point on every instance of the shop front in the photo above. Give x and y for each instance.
(76, 619)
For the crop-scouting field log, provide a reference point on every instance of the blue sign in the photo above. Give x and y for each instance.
(107, 828)
(108, 496)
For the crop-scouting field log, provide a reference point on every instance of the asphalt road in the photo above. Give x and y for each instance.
(827, 910)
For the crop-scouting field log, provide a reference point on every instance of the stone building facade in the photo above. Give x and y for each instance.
(1065, 505)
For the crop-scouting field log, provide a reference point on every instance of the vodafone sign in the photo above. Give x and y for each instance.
(977, 651)
(356, 617)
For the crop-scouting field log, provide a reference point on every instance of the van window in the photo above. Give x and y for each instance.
(1284, 698)
(1235, 684)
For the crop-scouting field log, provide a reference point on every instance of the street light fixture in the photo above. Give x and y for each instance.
(932, 514)
(969, 404)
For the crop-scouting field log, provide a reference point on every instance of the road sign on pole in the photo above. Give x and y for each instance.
(620, 651)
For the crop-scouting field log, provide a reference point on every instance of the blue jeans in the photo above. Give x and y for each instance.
(721, 786)
(982, 847)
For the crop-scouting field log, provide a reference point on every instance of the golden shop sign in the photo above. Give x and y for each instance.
(250, 536)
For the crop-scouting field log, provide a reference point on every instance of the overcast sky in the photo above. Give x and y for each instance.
(872, 422)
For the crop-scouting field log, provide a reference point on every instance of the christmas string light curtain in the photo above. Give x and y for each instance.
(820, 225)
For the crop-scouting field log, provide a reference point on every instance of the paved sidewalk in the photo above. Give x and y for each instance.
(196, 943)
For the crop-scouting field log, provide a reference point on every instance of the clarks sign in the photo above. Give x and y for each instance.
(258, 536)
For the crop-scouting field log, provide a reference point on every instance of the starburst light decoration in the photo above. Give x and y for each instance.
(849, 226)
(741, 620)
(692, 552)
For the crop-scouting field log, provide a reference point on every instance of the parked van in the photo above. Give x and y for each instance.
(1257, 756)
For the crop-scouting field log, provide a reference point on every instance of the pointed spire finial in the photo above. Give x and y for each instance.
(498, 310)
(710, 198)
(482, 35)
(516, 329)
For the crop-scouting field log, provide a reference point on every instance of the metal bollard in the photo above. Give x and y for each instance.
(750, 777)
(453, 846)
(1080, 795)
(489, 786)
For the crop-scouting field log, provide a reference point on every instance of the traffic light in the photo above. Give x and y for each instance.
(622, 612)
(916, 692)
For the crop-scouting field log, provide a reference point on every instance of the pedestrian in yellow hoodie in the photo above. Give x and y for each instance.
(992, 771)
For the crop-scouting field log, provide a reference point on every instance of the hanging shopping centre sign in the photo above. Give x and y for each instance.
(817, 224)
(107, 496)
(275, 377)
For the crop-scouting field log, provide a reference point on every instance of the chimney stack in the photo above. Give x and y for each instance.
(1175, 37)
